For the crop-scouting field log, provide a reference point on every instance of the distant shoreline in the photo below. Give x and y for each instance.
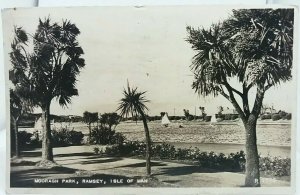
(259, 122)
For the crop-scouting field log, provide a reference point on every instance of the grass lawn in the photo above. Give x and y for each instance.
(79, 162)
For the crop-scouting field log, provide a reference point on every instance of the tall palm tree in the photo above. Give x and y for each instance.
(49, 71)
(256, 47)
(133, 103)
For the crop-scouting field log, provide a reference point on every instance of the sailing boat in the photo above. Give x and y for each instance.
(165, 120)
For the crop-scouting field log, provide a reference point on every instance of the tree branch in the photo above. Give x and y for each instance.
(245, 100)
(236, 91)
(249, 86)
(268, 87)
(224, 94)
(226, 84)
(232, 99)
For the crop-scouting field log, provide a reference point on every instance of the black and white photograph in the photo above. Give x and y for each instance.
(151, 97)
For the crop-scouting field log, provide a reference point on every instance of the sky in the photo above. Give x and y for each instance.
(145, 46)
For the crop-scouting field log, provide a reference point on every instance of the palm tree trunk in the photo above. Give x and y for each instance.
(252, 160)
(17, 151)
(148, 145)
(47, 153)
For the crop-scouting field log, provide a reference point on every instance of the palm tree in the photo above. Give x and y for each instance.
(15, 114)
(18, 107)
(133, 103)
(49, 71)
(256, 47)
(89, 118)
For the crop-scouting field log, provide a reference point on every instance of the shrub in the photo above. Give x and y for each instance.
(221, 116)
(75, 137)
(265, 116)
(219, 119)
(234, 116)
(163, 151)
(232, 162)
(117, 138)
(227, 117)
(112, 150)
(207, 118)
(181, 153)
(96, 150)
(24, 138)
(275, 166)
(104, 136)
(66, 137)
(282, 114)
(276, 117)
(132, 148)
(171, 118)
(289, 116)
(35, 140)
(177, 118)
(110, 119)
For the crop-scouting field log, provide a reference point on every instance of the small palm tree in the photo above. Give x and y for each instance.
(133, 103)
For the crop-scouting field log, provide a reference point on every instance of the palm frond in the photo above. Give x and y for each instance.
(133, 102)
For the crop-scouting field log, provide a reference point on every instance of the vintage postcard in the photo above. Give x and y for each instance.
(164, 99)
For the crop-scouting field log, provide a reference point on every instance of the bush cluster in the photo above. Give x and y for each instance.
(207, 118)
(231, 162)
(176, 118)
(26, 140)
(275, 166)
(277, 116)
(265, 116)
(104, 135)
(66, 137)
(227, 116)
(61, 137)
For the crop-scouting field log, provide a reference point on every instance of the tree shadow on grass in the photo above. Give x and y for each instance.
(26, 177)
(75, 154)
(22, 163)
(143, 164)
(99, 160)
(185, 170)
(172, 181)
(31, 154)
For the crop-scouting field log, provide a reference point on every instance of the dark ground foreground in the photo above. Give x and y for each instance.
(84, 169)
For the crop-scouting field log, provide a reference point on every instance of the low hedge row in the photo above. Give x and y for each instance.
(231, 162)
(275, 117)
